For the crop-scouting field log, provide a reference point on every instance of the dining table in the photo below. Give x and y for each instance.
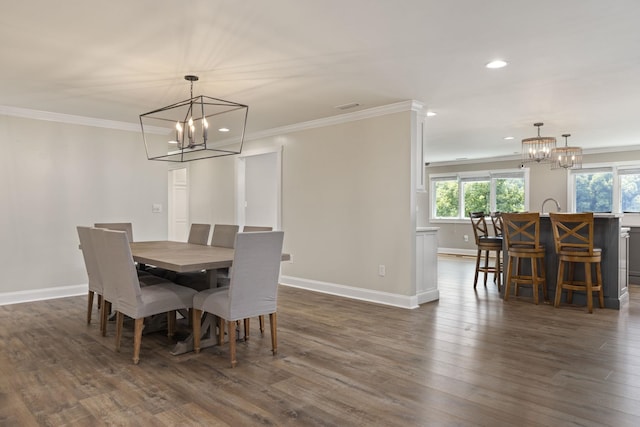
(183, 257)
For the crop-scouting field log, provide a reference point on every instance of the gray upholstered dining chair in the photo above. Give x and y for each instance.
(224, 235)
(127, 227)
(199, 234)
(130, 298)
(253, 229)
(252, 291)
(93, 272)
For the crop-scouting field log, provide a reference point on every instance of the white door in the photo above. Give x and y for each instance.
(258, 190)
(178, 212)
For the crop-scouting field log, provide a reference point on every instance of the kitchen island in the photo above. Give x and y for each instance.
(610, 237)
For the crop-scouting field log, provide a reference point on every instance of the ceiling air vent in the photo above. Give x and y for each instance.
(347, 106)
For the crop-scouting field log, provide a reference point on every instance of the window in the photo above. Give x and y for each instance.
(453, 196)
(594, 191)
(446, 196)
(630, 190)
(610, 188)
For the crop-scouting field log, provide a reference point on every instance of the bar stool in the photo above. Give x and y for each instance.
(486, 244)
(573, 237)
(522, 234)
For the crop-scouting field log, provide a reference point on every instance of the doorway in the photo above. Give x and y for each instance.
(258, 195)
(178, 204)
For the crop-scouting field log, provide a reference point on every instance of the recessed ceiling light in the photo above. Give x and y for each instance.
(508, 138)
(498, 63)
(431, 113)
(223, 129)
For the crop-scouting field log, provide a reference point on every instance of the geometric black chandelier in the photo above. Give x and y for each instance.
(197, 128)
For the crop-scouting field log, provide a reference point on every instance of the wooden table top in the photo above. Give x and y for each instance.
(180, 256)
(183, 257)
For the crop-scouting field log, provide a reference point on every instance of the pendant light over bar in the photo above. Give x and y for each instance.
(538, 149)
(197, 128)
(566, 157)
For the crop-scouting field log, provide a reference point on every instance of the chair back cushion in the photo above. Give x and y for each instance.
(127, 227)
(573, 233)
(224, 235)
(121, 270)
(522, 230)
(90, 261)
(255, 272)
(199, 234)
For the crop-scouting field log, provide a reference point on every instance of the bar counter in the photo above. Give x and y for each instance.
(607, 236)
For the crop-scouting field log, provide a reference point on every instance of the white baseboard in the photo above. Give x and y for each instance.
(379, 297)
(457, 251)
(18, 297)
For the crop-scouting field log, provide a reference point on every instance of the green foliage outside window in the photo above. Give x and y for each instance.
(510, 194)
(446, 193)
(630, 192)
(594, 192)
(476, 196)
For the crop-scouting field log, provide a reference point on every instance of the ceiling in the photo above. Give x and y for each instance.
(573, 64)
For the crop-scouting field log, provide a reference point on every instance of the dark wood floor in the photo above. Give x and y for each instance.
(468, 359)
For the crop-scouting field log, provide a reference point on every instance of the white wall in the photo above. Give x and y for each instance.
(55, 176)
(346, 201)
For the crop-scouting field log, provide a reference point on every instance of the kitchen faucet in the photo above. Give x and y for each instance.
(550, 199)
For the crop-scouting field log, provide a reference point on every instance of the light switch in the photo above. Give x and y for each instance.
(156, 208)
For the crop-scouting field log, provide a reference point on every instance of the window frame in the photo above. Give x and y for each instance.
(616, 168)
(469, 176)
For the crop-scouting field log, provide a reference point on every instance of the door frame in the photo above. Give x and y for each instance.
(170, 217)
(240, 181)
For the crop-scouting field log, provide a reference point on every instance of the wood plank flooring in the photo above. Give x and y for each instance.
(468, 359)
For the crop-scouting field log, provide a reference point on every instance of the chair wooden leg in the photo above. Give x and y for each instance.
(556, 302)
(589, 286)
(246, 329)
(507, 282)
(572, 268)
(261, 320)
(89, 306)
(486, 267)
(475, 278)
(221, 325)
(232, 342)
(137, 339)
(119, 321)
(104, 316)
(534, 280)
(171, 323)
(196, 316)
(273, 322)
(599, 279)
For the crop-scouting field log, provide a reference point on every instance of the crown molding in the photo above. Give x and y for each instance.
(49, 116)
(397, 107)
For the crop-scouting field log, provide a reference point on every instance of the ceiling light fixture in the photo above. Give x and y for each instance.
(566, 157)
(538, 149)
(508, 138)
(431, 113)
(186, 125)
(498, 63)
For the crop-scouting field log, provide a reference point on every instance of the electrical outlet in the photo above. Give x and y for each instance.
(466, 237)
(382, 270)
